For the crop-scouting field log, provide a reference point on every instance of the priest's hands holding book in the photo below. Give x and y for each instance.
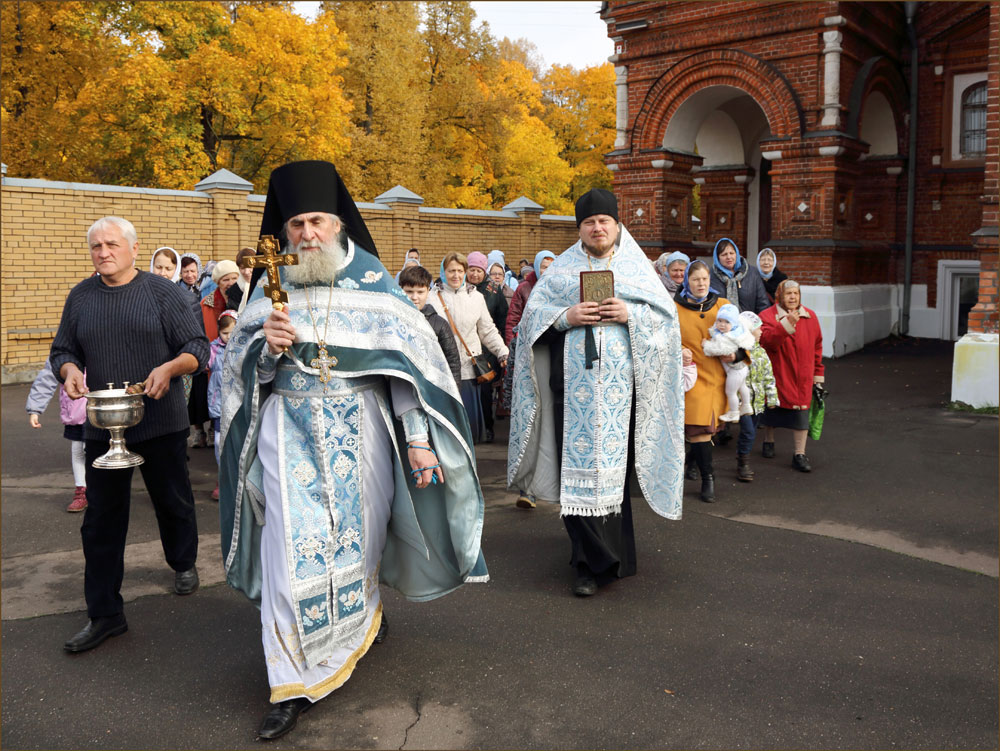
(589, 313)
(279, 331)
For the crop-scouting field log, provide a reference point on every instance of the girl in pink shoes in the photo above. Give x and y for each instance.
(73, 414)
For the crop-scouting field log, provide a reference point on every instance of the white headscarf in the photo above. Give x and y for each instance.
(177, 262)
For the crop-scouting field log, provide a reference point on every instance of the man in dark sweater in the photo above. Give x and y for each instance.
(129, 325)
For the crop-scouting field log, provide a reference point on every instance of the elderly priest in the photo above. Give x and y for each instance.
(347, 456)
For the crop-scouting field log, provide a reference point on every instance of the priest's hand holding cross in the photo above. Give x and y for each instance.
(278, 329)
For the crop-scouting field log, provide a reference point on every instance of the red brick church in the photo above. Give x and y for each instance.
(800, 126)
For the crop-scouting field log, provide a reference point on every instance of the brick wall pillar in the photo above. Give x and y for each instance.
(654, 198)
(983, 317)
(405, 207)
(528, 241)
(229, 213)
(810, 183)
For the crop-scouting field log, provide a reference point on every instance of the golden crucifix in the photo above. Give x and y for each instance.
(268, 258)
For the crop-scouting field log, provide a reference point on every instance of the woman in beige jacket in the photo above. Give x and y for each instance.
(464, 307)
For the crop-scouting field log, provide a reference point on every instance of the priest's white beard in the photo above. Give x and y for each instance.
(316, 266)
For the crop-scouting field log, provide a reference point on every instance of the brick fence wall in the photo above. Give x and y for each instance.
(44, 249)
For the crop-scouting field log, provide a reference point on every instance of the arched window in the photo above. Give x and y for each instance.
(973, 135)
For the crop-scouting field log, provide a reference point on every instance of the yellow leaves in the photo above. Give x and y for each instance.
(532, 166)
(160, 94)
(580, 109)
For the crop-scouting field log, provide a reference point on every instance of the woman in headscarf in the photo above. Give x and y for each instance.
(496, 304)
(461, 304)
(224, 275)
(697, 307)
(508, 282)
(542, 260)
(737, 280)
(790, 333)
(166, 262)
(767, 265)
(671, 267)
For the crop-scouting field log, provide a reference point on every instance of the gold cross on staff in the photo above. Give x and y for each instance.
(268, 258)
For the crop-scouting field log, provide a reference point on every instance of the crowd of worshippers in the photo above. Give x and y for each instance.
(345, 405)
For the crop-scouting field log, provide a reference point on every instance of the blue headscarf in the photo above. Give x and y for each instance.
(665, 259)
(686, 290)
(444, 279)
(774, 268)
(740, 263)
(496, 256)
(539, 257)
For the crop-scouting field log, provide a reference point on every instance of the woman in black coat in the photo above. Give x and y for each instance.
(736, 280)
(767, 265)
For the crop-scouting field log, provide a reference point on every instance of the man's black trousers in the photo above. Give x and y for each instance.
(105, 523)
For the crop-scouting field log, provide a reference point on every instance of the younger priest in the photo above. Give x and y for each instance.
(597, 391)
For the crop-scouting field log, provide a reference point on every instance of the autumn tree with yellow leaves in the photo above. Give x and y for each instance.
(161, 94)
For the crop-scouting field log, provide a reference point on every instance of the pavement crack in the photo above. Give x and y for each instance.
(406, 733)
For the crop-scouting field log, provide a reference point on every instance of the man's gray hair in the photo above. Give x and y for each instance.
(124, 225)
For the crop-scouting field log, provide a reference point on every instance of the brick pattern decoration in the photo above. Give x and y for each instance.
(837, 215)
(44, 247)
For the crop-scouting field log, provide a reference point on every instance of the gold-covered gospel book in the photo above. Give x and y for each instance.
(596, 286)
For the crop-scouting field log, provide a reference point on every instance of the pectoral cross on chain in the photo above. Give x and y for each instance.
(268, 258)
(323, 363)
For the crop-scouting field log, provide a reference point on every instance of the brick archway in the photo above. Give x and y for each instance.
(878, 75)
(725, 67)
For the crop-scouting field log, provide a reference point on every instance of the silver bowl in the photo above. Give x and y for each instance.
(114, 410)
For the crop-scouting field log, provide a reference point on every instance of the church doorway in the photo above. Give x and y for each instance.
(725, 125)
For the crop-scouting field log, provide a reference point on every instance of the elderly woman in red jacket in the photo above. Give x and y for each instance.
(791, 335)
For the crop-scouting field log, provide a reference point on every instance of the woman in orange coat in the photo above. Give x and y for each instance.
(697, 306)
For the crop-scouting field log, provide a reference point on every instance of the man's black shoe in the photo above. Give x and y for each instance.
(584, 586)
(186, 582)
(281, 718)
(489, 436)
(96, 631)
(383, 630)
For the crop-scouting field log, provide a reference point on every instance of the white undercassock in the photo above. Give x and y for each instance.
(288, 673)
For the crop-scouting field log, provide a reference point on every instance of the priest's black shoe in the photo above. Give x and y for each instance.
(383, 630)
(97, 631)
(585, 586)
(186, 582)
(281, 718)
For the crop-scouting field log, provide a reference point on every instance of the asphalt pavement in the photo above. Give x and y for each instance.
(854, 607)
